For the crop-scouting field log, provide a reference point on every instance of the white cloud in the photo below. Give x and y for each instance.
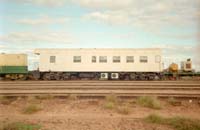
(48, 3)
(37, 37)
(44, 20)
(118, 17)
(2, 46)
(147, 14)
(106, 4)
(197, 56)
(182, 36)
(177, 53)
(175, 47)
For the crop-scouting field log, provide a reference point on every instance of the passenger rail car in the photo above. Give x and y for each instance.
(98, 64)
(122, 64)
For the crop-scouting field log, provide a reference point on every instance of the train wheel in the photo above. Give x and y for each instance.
(46, 76)
(65, 76)
(133, 76)
(35, 75)
(127, 77)
(156, 77)
(141, 77)
(58, 76)
(7, 77)
(1, 78)
(22, 77)
(11, 77)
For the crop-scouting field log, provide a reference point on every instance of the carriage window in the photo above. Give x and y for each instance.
(94, 59)
(130, 59)
(102, 59)
(158, 59)
(77, 59)
(143, 59)
(52, 59)
(188, 66)
(116, 59)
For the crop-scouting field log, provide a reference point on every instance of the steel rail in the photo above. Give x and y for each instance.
(91, 81)
(190, 89)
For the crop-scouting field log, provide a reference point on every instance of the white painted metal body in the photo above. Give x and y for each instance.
(64, 60)
(186, 65)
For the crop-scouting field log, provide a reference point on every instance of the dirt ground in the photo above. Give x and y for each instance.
(91, 114)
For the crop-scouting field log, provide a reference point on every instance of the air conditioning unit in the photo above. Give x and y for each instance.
(104, 76)
(114, 75)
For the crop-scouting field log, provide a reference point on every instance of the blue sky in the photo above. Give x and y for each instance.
(170, 25)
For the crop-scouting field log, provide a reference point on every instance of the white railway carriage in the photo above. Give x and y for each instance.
(130, 64)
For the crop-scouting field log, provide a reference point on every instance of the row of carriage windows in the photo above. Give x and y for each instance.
(103, 59)
(115, 59)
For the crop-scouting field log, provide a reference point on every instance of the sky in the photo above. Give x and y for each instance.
(172, 25)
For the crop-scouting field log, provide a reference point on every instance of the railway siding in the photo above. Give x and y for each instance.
(187, 89)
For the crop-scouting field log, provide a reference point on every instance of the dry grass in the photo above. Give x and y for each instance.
(172, 101)
(19, 126)
(112, 98)
(109, 105)
(178, 123)
(6, 100)
(110, 102)
(31, 109)
(33, 100)
(123, 109)
(153, 118)
(150, 102)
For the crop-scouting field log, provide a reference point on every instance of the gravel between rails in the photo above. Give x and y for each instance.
(101, 81)
(102, 88)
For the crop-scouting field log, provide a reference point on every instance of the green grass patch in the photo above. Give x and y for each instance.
(112, 98)
(19, 126)
(150, 102)
(110, 101)
(123, 109)
(117, 104)
(178, 123)
(6, 100)
(172, 101)
(31, 109)
(154, 118)
(109, 105)
(33, 100)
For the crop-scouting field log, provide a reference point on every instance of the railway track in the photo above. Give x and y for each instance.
(183, 89)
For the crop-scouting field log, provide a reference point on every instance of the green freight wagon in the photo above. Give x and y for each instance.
(13, 66)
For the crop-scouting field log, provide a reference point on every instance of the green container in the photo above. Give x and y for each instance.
(13, 69)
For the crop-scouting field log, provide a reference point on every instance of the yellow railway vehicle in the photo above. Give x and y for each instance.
(173, 68)
(13, 66)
